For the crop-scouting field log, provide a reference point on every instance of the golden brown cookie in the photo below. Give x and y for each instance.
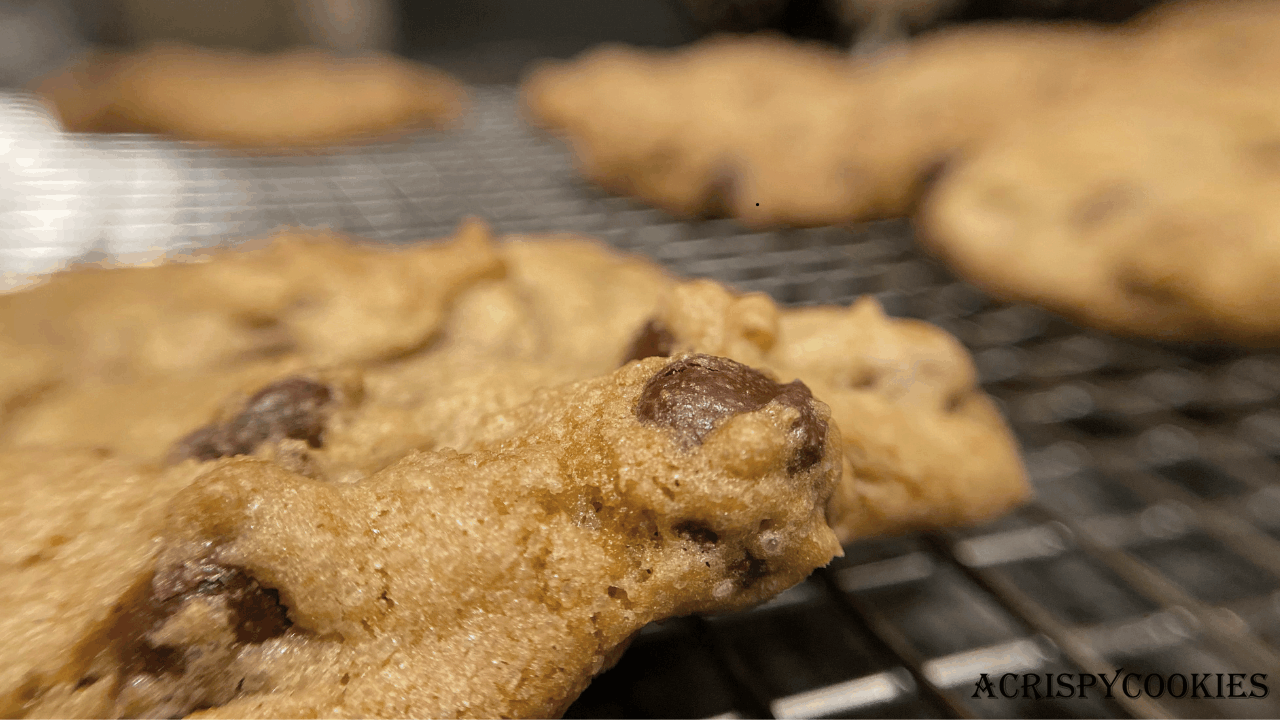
(949, 90)
(1140, 216)
(493, 583)
(716, 127)
(80, 527)
(465, 455)
(313, 296)
(924, 445)
(444, 333)
(298, 98)
(776, 133)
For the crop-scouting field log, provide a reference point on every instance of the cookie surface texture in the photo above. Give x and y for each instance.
(540, 312)
(315, 296)
(457, 479)
(491, 583)
(924, 446)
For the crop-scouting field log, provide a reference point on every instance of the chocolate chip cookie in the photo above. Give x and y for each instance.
(489, 583)
(1145, 208)
(775, 133)
(924, 444)
(315, 296)
(1135, 216)
(745, 127)
(457, 492)
(297, 98)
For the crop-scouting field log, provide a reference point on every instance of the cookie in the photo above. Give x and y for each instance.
(1143, 217)
(299, 98)
(491, 583)
(81, 526)
(775, 133)
(79, 94)
(138, 418)
(489, 325)
(1209, 53)
(714, 128)
(925, 446)
(314, 296)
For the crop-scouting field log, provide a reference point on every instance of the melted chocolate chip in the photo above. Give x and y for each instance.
(696, 532)
(255, 615)
(653, 340)
(811, 429)
(133, 621)
(293, 408)
(749, 570)
(256, 612)
(692, 395)
(204, 445)
(717, 202)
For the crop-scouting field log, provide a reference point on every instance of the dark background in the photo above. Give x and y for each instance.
(483, 41)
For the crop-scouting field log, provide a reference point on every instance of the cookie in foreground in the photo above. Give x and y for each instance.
(490, 583)
(293, 99)
(452, 334)
(924, 446)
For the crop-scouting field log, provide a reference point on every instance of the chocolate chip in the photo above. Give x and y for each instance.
(86, 681)
(748, 570)
(717, 202)
(204, 445)
(256, 612)
(811, 429)
(693, 394)
(293, 408)
(1102, 206)
(696, 532)
(653, 340)
(134, 620)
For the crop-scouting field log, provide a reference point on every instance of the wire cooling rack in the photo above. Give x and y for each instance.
(1153, 546)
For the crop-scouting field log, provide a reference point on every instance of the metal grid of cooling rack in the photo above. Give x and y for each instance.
(1153, 545)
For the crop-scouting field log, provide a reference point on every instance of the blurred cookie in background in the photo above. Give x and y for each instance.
(775, 133)
(1138, 216)
(1147, 208)
(298, 98)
